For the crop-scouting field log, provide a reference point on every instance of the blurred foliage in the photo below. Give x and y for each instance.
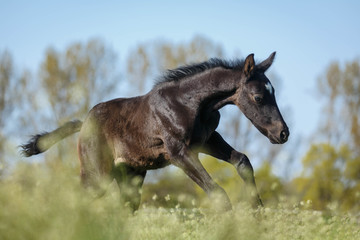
(165, 191)
(271, 187)
(340, 87)
(331, 176)
(78, 78)
(15, 87)
(331, 170)
(39, 202)
(6, 72)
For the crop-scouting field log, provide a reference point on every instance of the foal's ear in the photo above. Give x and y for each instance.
(249, 65)
(266, 63)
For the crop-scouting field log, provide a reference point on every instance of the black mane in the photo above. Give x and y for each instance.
(190, 70)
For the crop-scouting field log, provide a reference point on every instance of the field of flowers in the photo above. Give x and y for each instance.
(36, 203)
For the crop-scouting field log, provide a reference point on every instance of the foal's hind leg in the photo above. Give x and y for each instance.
(94, 171)
(219, 148)
(130, 182)
(96, 160)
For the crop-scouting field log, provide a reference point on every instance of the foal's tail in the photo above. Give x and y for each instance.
(41, 142)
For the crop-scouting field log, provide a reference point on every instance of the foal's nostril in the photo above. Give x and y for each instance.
(284, 135)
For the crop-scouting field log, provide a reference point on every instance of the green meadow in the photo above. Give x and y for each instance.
(41, 202)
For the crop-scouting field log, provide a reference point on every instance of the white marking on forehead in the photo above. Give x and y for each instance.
(269, 87)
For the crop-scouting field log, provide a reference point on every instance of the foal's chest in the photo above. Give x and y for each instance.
(204, 126)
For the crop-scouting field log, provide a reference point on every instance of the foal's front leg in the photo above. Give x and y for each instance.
(189, 162)
(217, 147)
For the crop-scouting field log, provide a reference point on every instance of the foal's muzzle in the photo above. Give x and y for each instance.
(280, 137)
(284, 135)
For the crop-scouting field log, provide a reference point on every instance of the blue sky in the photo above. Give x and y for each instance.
(307, 35)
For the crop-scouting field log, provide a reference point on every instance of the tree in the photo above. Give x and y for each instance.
(341, 90)
(321, 181)
(78, 78)
(332, 169)
(15, 103)
(6, 90)
(75, 80)
(271, 188)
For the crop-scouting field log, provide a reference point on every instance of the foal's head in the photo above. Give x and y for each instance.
(255, 97)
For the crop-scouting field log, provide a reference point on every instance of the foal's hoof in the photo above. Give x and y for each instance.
(218, 202)
(222, 208)
(222, 205)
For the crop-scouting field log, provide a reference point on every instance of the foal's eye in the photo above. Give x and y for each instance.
(258, 99)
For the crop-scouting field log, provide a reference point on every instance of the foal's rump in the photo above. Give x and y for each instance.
(110, 130)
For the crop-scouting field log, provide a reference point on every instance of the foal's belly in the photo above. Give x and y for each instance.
(146, 163)
(141, 157)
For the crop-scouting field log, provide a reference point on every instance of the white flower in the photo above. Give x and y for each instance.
(167, 198)
(155, 197)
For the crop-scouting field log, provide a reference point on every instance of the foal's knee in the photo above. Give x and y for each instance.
(246, 172)
(243, 166)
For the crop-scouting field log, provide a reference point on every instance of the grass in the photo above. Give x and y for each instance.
(41, 202)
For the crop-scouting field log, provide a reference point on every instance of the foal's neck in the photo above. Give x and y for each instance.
(215, 87)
